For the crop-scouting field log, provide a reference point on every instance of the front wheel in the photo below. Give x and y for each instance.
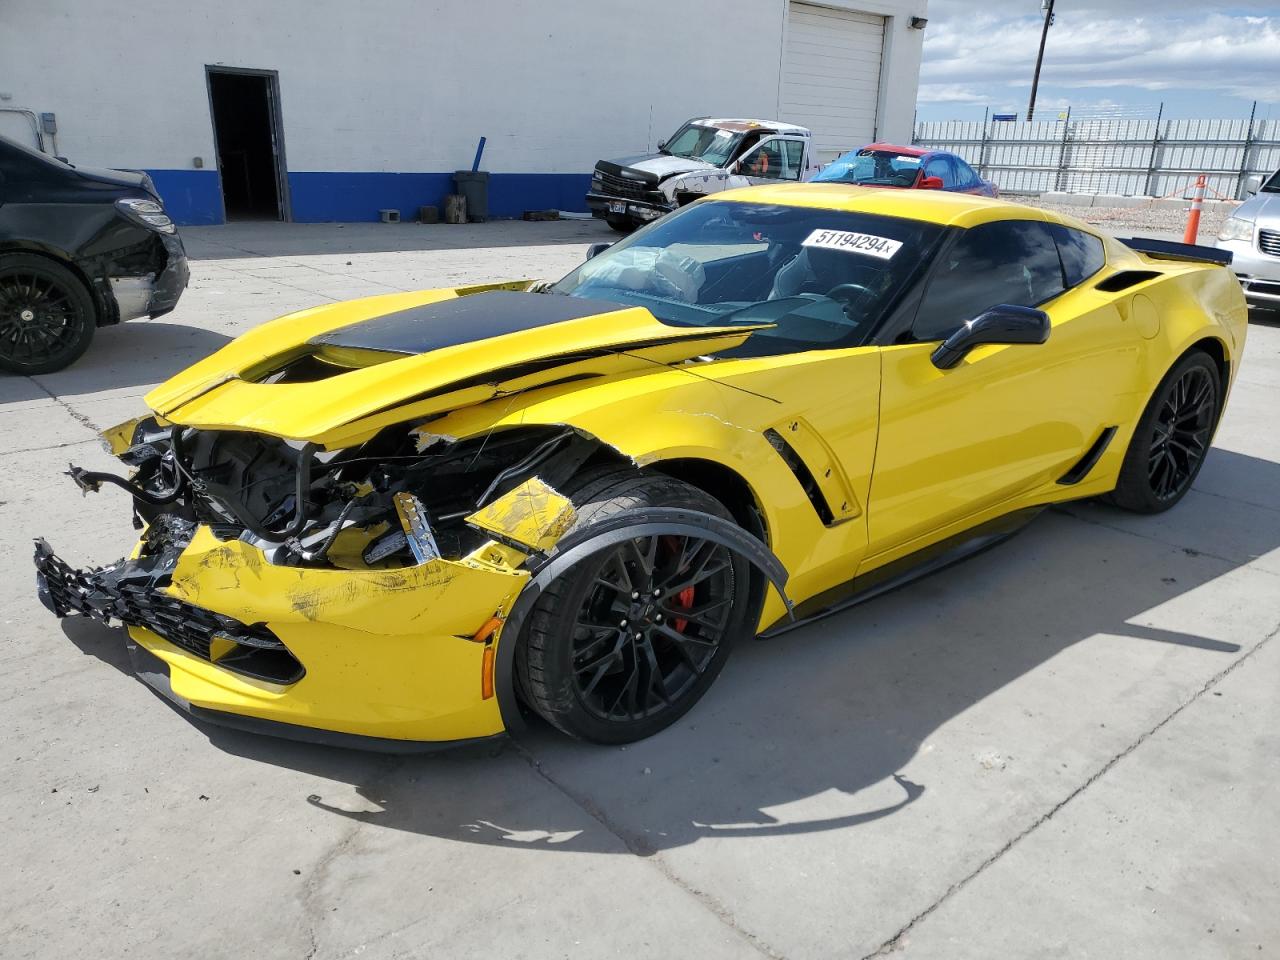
(628, 640)
(621, 224)
(47, 317)
(1172, 437)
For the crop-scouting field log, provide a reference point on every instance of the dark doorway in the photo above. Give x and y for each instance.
(247, 132)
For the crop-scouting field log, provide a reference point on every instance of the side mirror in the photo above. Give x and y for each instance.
(930, 183)
(1252, 184)
(662, 144)
(1004, 323)
(597, 248)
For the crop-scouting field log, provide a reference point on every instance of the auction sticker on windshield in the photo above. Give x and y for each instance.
(872, 246)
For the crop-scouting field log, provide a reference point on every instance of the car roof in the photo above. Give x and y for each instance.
(932, 206)
(895, 148)
(744, 124)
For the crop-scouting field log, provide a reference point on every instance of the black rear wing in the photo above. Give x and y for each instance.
(1168, 250)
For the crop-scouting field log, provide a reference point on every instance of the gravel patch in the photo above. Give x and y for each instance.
(1148, 218)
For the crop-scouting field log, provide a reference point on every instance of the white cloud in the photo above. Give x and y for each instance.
(951, 93)
(981, 54)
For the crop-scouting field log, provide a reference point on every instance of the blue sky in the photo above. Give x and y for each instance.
(1201, 59)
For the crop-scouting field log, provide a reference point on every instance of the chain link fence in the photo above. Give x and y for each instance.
(1111, 155)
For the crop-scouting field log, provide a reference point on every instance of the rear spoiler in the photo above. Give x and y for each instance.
(1168, 250)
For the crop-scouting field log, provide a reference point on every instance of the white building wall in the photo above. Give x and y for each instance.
(405, 86)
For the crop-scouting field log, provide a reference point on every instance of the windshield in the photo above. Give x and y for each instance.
(824, 278)
(880, 168)
(696, 142)
(1273, 185)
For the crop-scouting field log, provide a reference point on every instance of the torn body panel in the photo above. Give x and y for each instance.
(532, 515)
(377, 653)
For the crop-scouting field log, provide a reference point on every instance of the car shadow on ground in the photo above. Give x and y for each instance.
(825, 717)
(239, 240)
(130, 355)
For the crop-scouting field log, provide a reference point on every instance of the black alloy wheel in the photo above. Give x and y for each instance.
(625, 642)
(1172, 437)
(1182, 430)
(651, 624)
(46, 315)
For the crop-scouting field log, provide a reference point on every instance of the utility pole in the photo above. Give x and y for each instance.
(1047, 6)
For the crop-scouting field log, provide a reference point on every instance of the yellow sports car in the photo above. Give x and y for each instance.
(398, 521)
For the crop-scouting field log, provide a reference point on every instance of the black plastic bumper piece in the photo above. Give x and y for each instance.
(131, 593)
(172, 280)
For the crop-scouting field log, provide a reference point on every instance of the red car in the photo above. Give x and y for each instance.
(889, 165)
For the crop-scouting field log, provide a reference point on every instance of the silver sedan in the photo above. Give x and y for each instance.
(1252, 234)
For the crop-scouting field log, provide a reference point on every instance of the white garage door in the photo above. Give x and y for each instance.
(831, 76)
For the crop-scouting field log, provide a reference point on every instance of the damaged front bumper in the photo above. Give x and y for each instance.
(381, 659)
(153, 294)
(603, 206)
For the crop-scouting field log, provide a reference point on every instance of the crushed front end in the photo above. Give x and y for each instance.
(352, 596)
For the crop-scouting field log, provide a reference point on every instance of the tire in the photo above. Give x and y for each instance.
(621, 224)
(1172, 437)
(47, 317)
(629, 677)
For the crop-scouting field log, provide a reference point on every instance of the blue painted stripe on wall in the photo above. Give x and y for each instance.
(190, 196)
(352, 197)
(194, 197)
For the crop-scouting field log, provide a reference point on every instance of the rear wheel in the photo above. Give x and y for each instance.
(47, 316)
(625, 642)
(1172, 437)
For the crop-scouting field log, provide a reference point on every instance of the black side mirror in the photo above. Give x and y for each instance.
(1004, 323)
(597, 248)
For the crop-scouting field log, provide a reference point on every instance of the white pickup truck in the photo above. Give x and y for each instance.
(704, 156)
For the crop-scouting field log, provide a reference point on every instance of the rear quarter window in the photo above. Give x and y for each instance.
(1082, 254)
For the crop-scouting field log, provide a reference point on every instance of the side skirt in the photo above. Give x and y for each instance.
(928, 560)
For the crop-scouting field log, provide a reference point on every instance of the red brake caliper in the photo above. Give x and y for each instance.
(685, 600)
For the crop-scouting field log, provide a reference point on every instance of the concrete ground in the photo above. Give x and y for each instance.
(1066, 747)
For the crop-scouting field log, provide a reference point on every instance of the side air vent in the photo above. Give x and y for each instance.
(1125, 279)
(801, 469)
(1089, 460)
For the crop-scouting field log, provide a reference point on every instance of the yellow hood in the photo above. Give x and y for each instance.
(336, 373)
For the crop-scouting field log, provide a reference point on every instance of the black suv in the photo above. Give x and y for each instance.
(79, 249)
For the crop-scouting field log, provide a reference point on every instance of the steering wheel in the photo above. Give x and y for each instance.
(850, 292)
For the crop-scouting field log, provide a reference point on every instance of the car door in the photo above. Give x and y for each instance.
(958, 445)
(773, 159)
(967, 179)
(940, 166)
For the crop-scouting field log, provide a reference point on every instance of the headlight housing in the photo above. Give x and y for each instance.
(148, 213)
(1236, 229)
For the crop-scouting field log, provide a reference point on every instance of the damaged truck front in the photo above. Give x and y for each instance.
(703, 157)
